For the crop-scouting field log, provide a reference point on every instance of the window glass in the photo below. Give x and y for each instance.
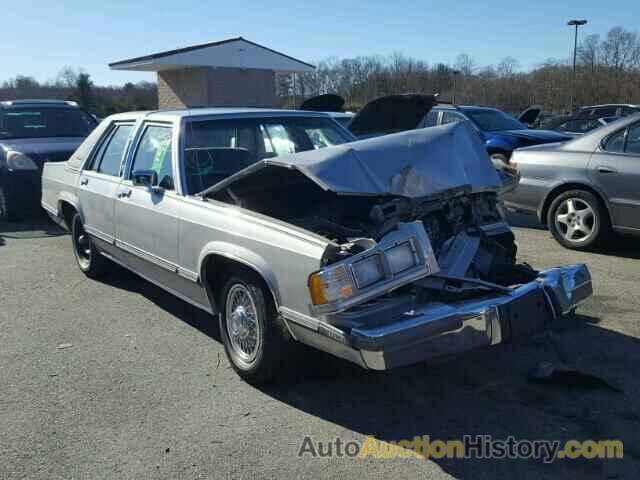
(451, 117)
(216, 149)
(490, 120)
(431, 120)
(605, 111)
(633, 139)
(154, 153)
(44, 122)
(615, 143)
(629, 111)
(109, 155)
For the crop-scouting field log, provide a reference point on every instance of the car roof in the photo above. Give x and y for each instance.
(590, 140)
(38, 102)
(172, 115)
(604, 105)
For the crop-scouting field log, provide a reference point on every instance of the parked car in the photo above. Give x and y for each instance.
(33, 132)
(576, 126)
(585, 188)
(608, 110)
(502, 132)
(383, 252)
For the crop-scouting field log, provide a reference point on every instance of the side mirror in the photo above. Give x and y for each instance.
(145, 178)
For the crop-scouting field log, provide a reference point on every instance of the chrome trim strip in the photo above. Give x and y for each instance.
(300, 318)
(161, 262)
(98, 234)
(188, 274)
(157, 284)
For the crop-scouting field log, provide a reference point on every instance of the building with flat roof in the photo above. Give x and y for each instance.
(234, 72)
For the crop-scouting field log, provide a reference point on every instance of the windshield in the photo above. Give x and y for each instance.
(494, 120)
(216, 149)
(43, 122)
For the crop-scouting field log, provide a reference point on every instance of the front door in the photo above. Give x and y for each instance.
(147, 216)
(100, 180)
(615, 169)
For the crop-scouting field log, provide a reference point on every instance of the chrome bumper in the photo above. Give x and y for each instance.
(445, 329)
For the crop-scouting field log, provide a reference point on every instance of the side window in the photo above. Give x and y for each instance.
(282, 142)
(615, 143)
(633, 140)
(154, 153)
(606, 112)
(451, 117)
(108, 158)
(431, 119)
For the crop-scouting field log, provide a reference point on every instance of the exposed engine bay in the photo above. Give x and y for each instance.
(359, 195)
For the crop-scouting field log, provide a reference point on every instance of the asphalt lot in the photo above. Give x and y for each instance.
(143, 389)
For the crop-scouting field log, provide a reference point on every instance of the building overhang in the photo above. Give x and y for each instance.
(232, 53)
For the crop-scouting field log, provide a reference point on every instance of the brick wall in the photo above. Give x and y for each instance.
(200, 87)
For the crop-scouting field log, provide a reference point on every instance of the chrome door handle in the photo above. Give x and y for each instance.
(84, 181)
(606, 169)
(125, 193)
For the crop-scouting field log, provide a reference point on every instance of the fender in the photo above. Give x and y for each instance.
(244, 256)
(70, 198)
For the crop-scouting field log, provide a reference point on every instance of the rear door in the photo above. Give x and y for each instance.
(615, 169)
(100, 179)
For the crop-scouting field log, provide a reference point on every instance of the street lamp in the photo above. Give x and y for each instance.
(574, 23)
(455, 74)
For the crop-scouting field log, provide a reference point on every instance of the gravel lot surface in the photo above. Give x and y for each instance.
(117, 379)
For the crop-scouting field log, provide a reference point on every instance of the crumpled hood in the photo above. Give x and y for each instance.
(414, 164)
(43, 150)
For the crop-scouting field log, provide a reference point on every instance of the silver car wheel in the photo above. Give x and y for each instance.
(243, 327)
(82, 246)
(575, 220)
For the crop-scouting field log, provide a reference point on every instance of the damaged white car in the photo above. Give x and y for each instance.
(384, 252)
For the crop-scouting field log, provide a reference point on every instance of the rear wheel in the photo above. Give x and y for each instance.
(90, 261)
(578, 220)
(252, 332)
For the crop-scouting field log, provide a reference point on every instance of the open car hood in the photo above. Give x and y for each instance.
(530, 115)
(413, 164)
(393, 113)
(323, 103)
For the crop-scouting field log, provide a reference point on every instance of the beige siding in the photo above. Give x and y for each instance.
(208, 87)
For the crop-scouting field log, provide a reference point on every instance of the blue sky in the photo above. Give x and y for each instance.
(40, 37)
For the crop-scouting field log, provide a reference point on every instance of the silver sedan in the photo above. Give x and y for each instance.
(584, 189)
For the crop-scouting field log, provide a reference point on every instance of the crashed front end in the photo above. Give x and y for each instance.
(421, 262)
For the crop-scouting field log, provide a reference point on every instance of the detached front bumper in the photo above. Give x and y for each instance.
(435, 330)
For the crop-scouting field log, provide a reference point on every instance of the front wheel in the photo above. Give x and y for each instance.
(251, 330)
(89, 260)
(578, 220)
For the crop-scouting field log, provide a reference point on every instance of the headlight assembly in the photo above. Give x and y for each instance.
(401, 257)
(19, 161)
(330, 285)
(368, 271)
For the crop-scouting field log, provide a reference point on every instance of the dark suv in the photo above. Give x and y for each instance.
(33, 132)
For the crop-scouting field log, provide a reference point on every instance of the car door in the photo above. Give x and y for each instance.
(615, 169)
(100, 179)
(146, 217)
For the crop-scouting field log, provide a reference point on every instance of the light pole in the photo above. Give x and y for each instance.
(574, 23)
(455, 74)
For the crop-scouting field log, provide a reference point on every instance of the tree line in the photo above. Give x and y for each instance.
(77, 85)
(608, 71)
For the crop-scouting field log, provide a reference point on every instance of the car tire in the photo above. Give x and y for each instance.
(578, 220)
(89, 259)
(254, 336)
(6, 213)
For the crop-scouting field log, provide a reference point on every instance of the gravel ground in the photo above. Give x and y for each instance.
(117, 379)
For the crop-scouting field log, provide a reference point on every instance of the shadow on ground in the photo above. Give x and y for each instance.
(38, 226)
(482, 393)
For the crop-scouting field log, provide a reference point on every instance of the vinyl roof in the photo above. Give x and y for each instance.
(235, 52)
